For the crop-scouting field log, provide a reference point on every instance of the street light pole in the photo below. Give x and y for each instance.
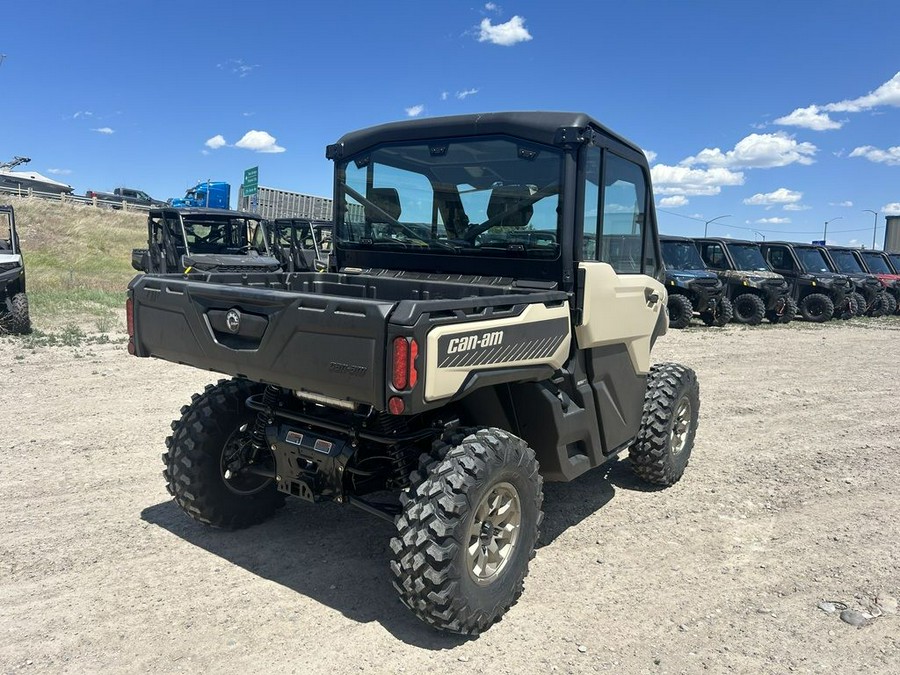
(875, 227)
(825, 233)
(760, 234)
(706, 224)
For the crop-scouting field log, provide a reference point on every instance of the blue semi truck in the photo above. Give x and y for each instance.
(208, 194)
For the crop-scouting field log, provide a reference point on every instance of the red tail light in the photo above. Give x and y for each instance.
(400, 370)
(413, 354)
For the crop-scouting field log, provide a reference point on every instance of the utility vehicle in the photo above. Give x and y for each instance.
(302, 244)
(183, 241)
(868, 290)
(755, 291)
(819, 292)
(14, 316)
(879, 264)
(451, 364)
(691, 286)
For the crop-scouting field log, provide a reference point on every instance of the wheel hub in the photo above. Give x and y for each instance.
(681, 426)
(494, 533)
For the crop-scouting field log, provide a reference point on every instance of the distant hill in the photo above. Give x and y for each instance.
(77, 259)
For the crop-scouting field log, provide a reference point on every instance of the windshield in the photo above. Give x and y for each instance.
(846, 262)
(876, 263)
(306, 234)
(6, 235)
(488, 196)
(681, 255)
(812, 259)
(748, 258)
(224, 235)
(895, 261)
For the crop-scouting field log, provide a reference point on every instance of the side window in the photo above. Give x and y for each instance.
(779, 258)
(624, 217)
(591, 203)
(714, 256)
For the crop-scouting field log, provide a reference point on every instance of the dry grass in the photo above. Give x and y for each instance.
(77, 261)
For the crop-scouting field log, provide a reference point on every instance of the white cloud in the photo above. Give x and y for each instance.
(258, 141)
(60, 172)
(238, 67)
(796, 207)
(887, 94)
(444, 95)
(779, 196)
(104, 130)
(682, 180)
(504, 34)
(810, 117)
(675, 201)
(847, 203)
(247, 114)
(650, 155)
(415, 110)
(890, 156)
(491, 7)
(215, 142)
(461, 95)
(757, 151)
(773, 221)
(82, 113)
(892, 209)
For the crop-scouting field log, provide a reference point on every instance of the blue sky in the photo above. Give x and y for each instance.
(781, 115)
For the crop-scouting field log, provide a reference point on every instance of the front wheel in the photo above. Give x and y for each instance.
(890, 304)
(663, 446)
(858, 301)
(18, 319)
(208, 454)
(816, 307)
(749, 309)
(467, 531)
(786, 313)
(723, 314)
(680, 311)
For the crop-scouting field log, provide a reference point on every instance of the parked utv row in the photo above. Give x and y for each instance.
(725, 280)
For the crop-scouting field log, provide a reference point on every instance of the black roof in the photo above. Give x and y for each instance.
(539, 127)
(672, 237)
(727, 240)
(197, 211)
(804, 244)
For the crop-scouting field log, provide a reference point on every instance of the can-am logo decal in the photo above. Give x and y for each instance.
(470, 342)
(347, 369)
(517, 342)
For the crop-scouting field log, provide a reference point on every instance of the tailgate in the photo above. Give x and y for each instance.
(325, 344)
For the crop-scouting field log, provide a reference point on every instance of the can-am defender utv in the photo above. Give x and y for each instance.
(691, 286)
(14, 316)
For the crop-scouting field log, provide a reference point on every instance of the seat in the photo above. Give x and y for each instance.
(386, 199)
(507, 198)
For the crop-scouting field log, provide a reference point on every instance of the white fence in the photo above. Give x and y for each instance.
(72, 199)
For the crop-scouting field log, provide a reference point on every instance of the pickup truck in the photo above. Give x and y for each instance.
(497, 292)
(123, 195)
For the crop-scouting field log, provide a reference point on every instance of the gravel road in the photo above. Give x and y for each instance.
(792, 497)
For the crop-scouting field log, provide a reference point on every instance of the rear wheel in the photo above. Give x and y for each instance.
(890, 304)
(669, 422)
(680, 311)
(859, 300)
(207, 452)
(467, 531)
(816, 307)
(17, 319)
(723, 314)
(749, 309)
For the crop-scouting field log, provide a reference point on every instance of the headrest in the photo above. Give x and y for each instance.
(385, 199)
(504, 198)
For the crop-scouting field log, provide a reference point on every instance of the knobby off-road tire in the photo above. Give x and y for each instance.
(211, 430)
(18, 320)
(681, 310)
(890, 304)
(816, 307)
(749, 309)
(877, 307)
(467, 531)
(663, 447)
(859, 302)
(788, 312)
(724, 314)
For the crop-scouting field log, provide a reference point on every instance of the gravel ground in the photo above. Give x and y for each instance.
(791, 498)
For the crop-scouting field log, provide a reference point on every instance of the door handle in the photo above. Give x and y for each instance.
(652, 296)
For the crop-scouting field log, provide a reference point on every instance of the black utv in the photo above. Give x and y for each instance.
(301, 244)
(691, 286)
(185, 241)
(879, 264)
(14, 316)
(819, 292)
(867, 289)
(755, 291)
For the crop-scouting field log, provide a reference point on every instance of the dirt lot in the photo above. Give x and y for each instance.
(792, 497)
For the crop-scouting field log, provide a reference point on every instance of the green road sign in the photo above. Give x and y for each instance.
(251, 181)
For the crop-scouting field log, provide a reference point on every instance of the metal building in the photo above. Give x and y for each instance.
(272, 203)
(892, 234)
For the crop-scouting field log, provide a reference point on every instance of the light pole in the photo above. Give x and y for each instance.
(706, 224)
(825, 233)
(760, 234)
(875, 228)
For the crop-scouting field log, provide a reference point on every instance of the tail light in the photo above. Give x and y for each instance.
(129, 322)
(404, 376)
